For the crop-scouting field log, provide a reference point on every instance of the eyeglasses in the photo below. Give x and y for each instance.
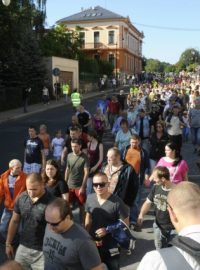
(55, 224)
(101, 185)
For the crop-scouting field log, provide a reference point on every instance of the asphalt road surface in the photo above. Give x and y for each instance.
(13, 133)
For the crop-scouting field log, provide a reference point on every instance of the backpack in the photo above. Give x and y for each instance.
(122, 234)
(177, 260)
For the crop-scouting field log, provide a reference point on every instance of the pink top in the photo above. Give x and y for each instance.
(177, 173)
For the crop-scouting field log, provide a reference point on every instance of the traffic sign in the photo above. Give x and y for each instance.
(56, 71)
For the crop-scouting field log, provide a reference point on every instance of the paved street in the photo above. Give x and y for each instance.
(12, 135)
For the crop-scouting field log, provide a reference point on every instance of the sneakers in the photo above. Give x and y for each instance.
(128, 252)
(132, 226)
(137, 228)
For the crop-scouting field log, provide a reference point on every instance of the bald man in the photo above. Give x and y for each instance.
(11, 265)
(12, 184)
(66, 244)
(184, 210)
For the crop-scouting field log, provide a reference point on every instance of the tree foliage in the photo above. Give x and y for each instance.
(189, 60)
(61, 42)
(153, 65)
(20, 59)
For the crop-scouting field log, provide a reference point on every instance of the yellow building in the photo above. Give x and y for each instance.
(109, 36)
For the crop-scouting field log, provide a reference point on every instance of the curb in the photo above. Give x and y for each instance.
(23, 115)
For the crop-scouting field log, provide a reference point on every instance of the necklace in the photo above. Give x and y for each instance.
(113, 171)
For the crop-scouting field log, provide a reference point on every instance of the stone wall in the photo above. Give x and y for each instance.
(85, 87)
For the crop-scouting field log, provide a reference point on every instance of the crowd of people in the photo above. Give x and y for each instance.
(149, 127)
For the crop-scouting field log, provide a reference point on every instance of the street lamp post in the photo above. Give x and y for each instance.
(116, 61)
(6, 2)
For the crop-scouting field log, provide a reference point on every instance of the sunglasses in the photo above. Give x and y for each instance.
(101, 185)
(55, 224)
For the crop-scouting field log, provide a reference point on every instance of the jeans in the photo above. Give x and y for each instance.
(32, 167)
(113, 263)
(160, 240)
(186, 133)
(152, 164)
(135, 209)
(146, 145)
(5, 219)
(112, 118)
(30, 259)
(89, 188)
(195, 136)
(25, 104)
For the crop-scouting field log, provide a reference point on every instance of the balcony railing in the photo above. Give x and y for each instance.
(95, 45)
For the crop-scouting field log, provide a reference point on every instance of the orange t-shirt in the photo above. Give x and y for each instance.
(133, 158)
(45, 139)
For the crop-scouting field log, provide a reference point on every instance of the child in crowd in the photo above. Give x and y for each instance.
(186, 128)
(44, 136)
(57, 146)
(163, 227)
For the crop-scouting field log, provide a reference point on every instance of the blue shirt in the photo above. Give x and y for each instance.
(11, 184)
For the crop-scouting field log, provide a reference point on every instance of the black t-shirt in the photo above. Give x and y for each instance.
(32, 219)
(106, 214)
(58, 189)
(158, 196)
(121, 99)
(83, 118)
(33, 148)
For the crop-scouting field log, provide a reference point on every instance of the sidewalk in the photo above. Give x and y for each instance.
(40, 107)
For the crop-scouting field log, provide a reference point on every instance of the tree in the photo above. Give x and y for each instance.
(153, 65)
(61, 42)
(189, 56)
(20, 59)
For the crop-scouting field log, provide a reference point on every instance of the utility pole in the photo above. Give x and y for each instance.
(116, 61)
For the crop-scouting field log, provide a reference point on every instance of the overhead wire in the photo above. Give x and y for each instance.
(167, 27)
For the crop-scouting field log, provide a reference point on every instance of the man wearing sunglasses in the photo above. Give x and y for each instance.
(66, 244)
(103, 209)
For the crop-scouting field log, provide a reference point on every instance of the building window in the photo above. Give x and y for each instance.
(82, 38)
(96, 37)
(111, 59)
(111, 37)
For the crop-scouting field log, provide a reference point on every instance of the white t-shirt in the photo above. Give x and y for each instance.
(57, 144)
(153, 260)
(175, 128)
(45, 91)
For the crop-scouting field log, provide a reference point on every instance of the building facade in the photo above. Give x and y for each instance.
(109, 36)
(68, 71)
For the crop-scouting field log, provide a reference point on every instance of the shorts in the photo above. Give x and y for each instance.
(32, 168)
(74, 196)
(30, 258)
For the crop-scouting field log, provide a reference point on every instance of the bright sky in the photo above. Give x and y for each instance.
(160, 20)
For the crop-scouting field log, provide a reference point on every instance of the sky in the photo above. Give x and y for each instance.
(170, 26)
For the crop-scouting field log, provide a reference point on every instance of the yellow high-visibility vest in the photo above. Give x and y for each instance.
(65, 89)
(75, 99)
